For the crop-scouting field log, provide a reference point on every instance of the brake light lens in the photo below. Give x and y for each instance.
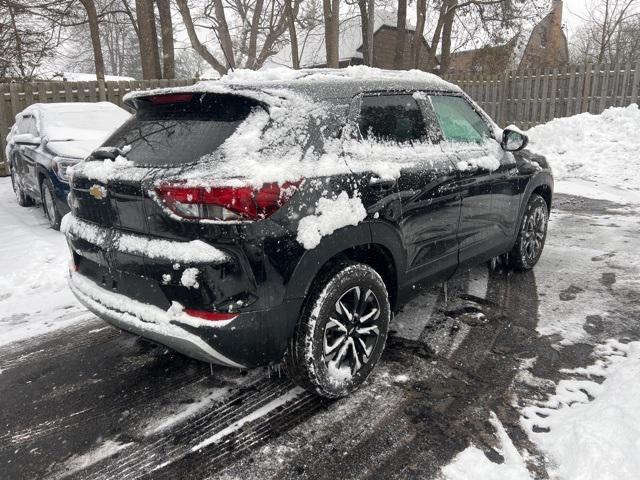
(212, 316)
(225, 203)
(170, 98)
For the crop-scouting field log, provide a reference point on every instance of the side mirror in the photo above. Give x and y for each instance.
(513, 140)
(26, 139)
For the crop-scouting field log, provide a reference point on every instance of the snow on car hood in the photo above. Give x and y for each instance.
(74, 148)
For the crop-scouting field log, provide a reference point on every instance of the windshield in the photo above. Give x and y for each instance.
(82, 125)
(162, 133)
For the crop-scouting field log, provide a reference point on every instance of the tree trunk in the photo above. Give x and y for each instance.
(331, 9)
(421, 15)
(166, 33)
(293, 36)
(371, 8)
(148, 39)
(253, 35)
(18, 42)
(92, 16)
(223, 32)
(447, 28)
(401, 35)
(364, 28)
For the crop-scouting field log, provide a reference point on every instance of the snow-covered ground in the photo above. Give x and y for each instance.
(34, 297)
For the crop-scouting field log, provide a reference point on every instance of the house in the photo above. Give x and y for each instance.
(547, 46)
(490, 60)
(313, 53)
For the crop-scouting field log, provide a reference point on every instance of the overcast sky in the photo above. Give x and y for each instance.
(573, 10)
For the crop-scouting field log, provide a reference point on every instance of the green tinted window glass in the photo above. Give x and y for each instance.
(458, 120)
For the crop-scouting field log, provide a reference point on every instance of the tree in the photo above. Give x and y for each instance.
(291, 15)
(148, 40)
(92, 15)
(166, 34)
(401, 34)
(331, 10)
(29, 36)
(608, 27)
(247, 32)
(367, 18)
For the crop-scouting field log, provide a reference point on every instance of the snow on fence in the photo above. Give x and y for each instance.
(530, 98)
(15, 97)
(521, 98)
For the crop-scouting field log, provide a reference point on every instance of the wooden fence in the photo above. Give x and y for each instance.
(521, 98)
(530, 98)
(15, 97)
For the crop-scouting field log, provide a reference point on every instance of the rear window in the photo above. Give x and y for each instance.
(182, 131)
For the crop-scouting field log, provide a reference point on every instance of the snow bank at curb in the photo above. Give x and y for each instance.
(331, 214)
(602, 149)
(593, 428)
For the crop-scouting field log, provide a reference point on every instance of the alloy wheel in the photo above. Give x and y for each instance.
(352, 331)
(49, 205)
(534, 232)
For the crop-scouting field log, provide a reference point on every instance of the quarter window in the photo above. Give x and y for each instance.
(395, 118)
(458, 120)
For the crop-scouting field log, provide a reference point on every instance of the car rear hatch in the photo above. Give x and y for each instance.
(113, 204)
(168, 134)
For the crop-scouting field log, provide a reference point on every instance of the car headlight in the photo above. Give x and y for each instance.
(61, 167)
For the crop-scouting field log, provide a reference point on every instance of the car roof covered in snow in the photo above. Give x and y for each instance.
(317, 83)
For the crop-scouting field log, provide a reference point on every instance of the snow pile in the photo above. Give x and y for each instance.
(189, 278)
(34, 298)
(472, 463)
(593, 428)
(593, 155)
(331, 214)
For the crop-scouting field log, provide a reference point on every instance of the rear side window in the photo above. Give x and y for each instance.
(459, 121)
(180, 129)
(395, 118)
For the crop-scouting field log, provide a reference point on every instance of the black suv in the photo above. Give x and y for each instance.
(255, 219)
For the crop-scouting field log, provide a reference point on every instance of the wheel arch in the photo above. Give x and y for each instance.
(348, 244)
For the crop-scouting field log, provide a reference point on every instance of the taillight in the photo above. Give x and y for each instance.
(225, 203)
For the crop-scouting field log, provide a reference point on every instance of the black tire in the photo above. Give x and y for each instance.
(23, 199)
(317, 359)
(531, 237)
(49, 204)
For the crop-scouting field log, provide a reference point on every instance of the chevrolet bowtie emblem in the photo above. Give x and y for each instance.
(98, 192)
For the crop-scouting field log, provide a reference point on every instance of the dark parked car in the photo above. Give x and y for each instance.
(46, 140)
(249, 220)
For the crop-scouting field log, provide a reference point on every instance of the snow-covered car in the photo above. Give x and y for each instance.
(47, 139)
(286, 215)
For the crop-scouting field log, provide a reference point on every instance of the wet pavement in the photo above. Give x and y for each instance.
(90, 402)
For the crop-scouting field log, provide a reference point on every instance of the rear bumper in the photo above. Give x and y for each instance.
(251, 339)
